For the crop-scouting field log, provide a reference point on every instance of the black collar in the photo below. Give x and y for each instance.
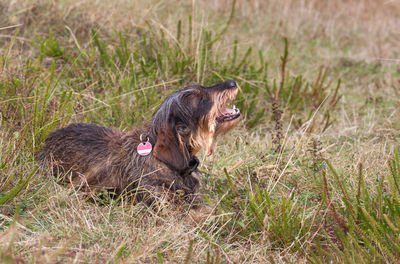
(193, 164)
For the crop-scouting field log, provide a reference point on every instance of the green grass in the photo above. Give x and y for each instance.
(311, 174)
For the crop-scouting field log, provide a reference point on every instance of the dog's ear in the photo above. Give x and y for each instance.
(170, 149)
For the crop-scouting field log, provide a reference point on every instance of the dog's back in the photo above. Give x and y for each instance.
(77, 148)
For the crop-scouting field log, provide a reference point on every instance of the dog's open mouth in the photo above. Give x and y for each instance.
(228, 114)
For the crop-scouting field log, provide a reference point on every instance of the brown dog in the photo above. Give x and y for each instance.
(95, 157)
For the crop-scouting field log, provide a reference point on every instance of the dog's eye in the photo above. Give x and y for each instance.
(182, 130)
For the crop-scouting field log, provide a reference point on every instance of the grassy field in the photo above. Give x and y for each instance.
(311, 174)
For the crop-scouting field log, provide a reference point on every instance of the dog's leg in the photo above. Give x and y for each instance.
(155, 197)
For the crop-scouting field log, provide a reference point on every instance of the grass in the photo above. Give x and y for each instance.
(311, 174)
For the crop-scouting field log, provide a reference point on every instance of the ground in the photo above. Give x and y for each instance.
(311, 174)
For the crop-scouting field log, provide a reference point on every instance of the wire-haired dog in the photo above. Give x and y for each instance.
(189, 120)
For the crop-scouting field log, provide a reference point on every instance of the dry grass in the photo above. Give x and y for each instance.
(47, 223)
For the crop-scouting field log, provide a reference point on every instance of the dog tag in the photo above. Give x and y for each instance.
(144, 149)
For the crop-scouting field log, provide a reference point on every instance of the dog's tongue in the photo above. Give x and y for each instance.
(229, 111)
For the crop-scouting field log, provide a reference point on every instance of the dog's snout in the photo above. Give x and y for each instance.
(231, 83)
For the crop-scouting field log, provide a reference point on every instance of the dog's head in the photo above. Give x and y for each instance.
(190, 119)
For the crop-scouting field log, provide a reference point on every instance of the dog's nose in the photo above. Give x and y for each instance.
(231, 83)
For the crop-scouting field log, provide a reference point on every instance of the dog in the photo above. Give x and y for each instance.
(150, 161)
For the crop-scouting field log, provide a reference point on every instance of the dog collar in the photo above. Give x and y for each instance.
(193, 164)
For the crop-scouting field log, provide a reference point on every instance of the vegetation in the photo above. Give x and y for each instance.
(311, 174)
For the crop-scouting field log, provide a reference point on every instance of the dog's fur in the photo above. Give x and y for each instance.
(95, 157)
